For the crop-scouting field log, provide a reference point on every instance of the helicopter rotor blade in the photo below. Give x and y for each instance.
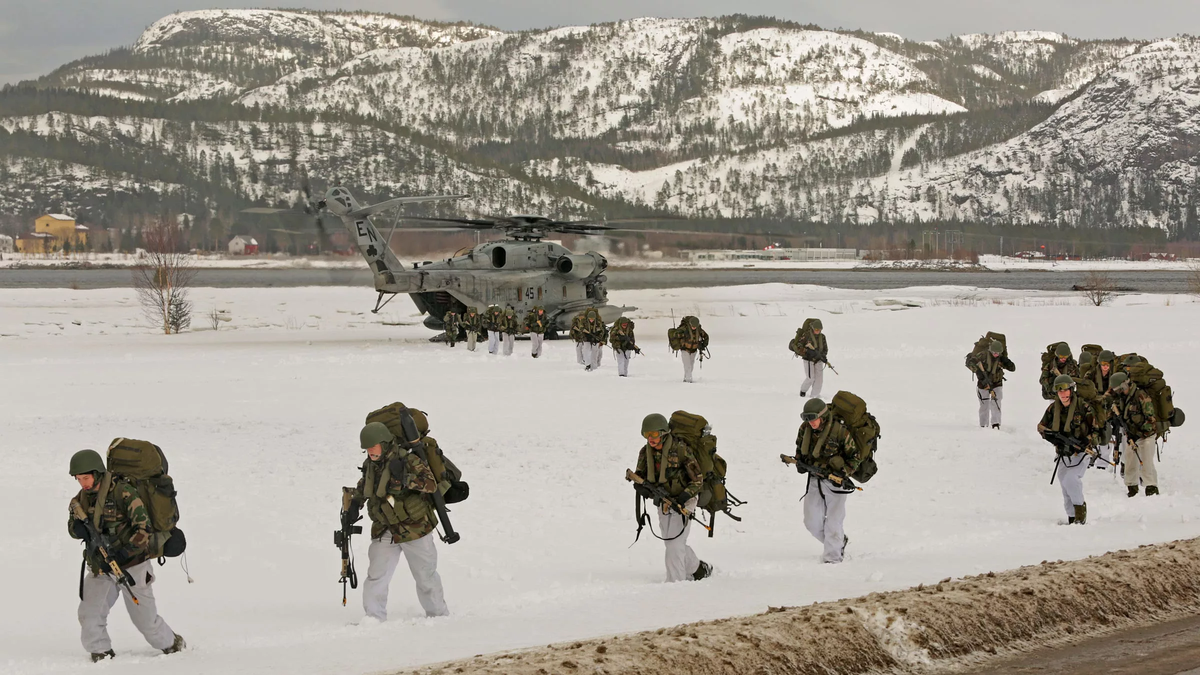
(399, 201)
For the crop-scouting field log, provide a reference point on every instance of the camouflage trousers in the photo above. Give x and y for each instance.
(1140, 459)
(100, 593)
(421, 555)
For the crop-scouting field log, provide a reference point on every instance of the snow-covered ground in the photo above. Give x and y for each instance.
(260, 421)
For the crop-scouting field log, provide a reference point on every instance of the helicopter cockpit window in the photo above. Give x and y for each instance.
(499, 257)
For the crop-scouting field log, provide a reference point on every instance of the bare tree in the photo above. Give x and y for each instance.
(1098, 287)
(162, 281)
(1194, 280)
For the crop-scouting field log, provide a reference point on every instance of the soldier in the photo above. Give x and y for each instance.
(1100, 372)
(472, 321)
(1063, 363)
(1069, 423)
(536, 322)
(576, 334)
(692, 340)
(624, 344)
(509, 326)
(490, 321)
(450, 325)
(396, 488)
(1135, 410)
(123, 519)
(595, 334)
(989, 375)
(824, 441)
(815, 352)
(667, 462)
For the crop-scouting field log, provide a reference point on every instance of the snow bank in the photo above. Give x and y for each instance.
(978, 617)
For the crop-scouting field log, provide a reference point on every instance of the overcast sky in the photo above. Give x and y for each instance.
(37, 36)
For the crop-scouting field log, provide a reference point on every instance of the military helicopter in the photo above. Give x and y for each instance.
(520, 271)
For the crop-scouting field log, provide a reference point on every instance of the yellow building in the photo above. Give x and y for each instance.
(50, 232)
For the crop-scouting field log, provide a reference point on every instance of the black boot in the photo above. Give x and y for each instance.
(1151, 490)
(996, 425)
(110, 654)
(1133, 490)
(1080, 514)
(803, 394)
(1070, 520)
(845, 540)
(176, 646)
(704, 571)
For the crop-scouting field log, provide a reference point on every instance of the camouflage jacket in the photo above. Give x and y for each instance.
(595, 332)
(577, 323)
(451, 322)
(1136, 410)
(398, 504)
(1092, 372)
(692, 339)
(473, 323)
(815, 341)
(829, 447)
(1071, 367)
(535, 323)
(1077, 420)
(124, 520)
(680, 474)
(491, 317)
(623, 340)
(989, 370)
(508, 324)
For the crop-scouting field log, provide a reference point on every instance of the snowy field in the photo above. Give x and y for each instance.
(260, 422)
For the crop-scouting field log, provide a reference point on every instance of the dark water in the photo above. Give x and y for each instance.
(633, 279)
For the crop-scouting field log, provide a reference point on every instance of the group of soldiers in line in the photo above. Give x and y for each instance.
(588, 330)
(1099, 415)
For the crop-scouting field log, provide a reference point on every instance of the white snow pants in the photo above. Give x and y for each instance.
(623, 357)
(509, 341)
(689, 362)
(421, 555)
(1070, 479)
(493, 341)
(1140, 461)
(814, 377)
(989, 408)
(594, 352)
(535, 340)
(100, 594)
(681, 560)
(579, 354)
(471, 340)
(825, 516)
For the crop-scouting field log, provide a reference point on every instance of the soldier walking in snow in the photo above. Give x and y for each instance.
(814, 349)
(1134, 411)
(118, 516)
(595, 335)
(826, 443)
(396, 488)
(536, 322)
(472, 321)
(1058, 361)
(989, 373)
(690, 340)
(1099, 373)
(491, 321)
(1069, 423)
(576, 334)
(451, 327)
(624, 344)
(670, 475)
(509, 328)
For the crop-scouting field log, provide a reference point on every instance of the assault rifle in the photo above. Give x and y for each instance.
(100, 545)
(837, 479)
(815, 356)
(413, 441)
(1064, 442)
(341, 539)
(657, 494)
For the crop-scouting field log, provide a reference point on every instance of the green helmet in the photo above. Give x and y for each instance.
(997, 347)
(1107, 356)
(1063, 350)
(86, 461)
(1131, 359)
(655, 422)
(1086, 358)
(373, 434)
(1063, 382)
(813, 409)
(816, 324)
(1118, 380)
(694, 322)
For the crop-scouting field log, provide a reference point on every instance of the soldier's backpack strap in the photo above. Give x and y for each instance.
(101, 495)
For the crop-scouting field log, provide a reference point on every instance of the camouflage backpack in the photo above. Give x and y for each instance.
(620, 334)
(852, 411)
(1094, 350)
(693, 430)
(796, 344)
(1150, 379)
(448, 476)
(1085, 389)
(145, 466)
(983, 346)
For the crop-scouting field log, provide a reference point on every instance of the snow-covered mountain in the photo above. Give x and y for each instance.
(717, 117)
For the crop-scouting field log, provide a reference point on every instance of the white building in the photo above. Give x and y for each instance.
(243, 245)
(6, 243)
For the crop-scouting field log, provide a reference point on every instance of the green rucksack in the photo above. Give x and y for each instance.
(693, 430)
(983, 346)
(796, 344)
(145, 466)
(448, 476)
(863, 426)
(1150, 379)
(1094, 350)
(1085, 389)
